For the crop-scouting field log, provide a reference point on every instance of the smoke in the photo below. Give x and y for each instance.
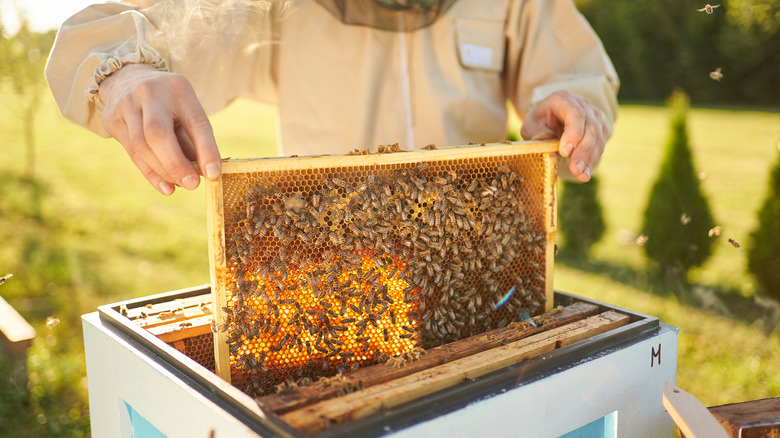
(185, 27)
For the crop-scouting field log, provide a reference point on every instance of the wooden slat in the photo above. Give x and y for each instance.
(371, 400)
(373, 375)
(416, 156)
(750, 419)
(159, 317)
(15, 332)
(551, 227)
(693, 419)
(215, 223)
(183, 329)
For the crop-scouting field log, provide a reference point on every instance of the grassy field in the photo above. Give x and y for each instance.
(88, 230)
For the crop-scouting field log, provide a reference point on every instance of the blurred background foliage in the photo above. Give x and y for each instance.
(80, 227)
(677, 213)
(659, 45)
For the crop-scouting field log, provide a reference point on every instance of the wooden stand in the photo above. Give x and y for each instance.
(16, 336)
(751, 419)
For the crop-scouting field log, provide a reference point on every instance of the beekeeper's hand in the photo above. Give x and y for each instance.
(579, 125)
(162, 126)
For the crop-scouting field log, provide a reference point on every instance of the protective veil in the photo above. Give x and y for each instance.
(392, 15)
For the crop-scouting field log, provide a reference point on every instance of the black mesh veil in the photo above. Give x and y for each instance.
(392, 15)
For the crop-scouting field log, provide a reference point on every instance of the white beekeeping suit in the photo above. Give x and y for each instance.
(342, 78)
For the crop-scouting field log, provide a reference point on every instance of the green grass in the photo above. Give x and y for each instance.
(89, 230)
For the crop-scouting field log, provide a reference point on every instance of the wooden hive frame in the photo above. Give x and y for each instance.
(545, 153)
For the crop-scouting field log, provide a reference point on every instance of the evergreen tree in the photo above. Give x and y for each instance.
(677, 218)
(764, 253)
(580, 218)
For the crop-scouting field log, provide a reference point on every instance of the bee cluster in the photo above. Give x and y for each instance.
(340, 270)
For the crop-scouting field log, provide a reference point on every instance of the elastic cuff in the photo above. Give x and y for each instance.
(143, 55)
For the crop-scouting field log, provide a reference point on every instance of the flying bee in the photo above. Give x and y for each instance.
(294, 202)
(641, 240)
(716, 75)
(734, 243)
(685, 219)
(708, 8)
(714, 231)
(52, 322)
(5, 277)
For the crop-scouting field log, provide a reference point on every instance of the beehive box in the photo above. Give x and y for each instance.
(324, 264)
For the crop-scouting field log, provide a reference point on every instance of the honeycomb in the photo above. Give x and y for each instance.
(327, 268)
(201, 349)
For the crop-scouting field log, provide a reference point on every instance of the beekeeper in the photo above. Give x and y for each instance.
(344, 74)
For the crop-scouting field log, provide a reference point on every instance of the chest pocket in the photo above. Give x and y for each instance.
(480, 45)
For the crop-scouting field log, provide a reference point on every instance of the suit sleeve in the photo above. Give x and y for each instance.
(225, 56)
(551, 47)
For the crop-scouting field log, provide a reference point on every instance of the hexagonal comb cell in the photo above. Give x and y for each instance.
(324, 264)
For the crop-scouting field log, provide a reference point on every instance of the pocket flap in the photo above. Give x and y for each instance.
(480, 43)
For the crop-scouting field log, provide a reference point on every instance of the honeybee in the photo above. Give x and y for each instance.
(52, 322)
(708, 8)
(361, 330)
(734, 243)
(716, 75)
(714, 231)
(642, 240)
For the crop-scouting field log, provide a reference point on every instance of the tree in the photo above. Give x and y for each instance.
(580, 218)
(677, 218)
(764, 252)
(657, 45)
(23, 57)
